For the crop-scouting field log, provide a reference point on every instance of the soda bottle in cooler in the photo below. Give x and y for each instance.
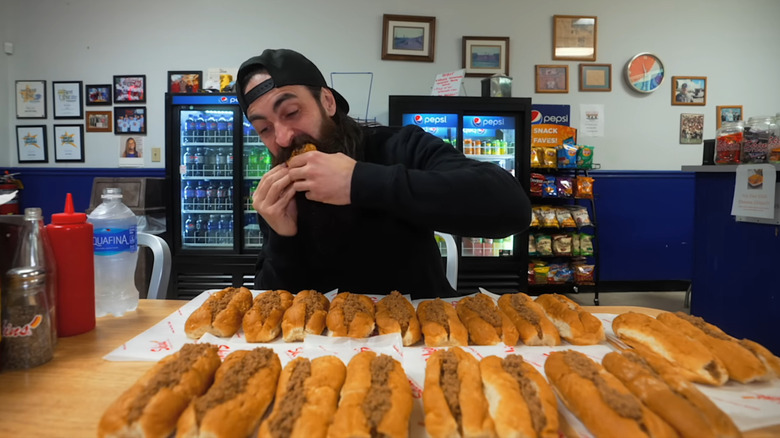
(253, 165)
(188, 197)
(211, 129)
(230, 228)
(189, 230)
(198, 163)
(221, 197)
(219, 160)
(187, 159)
(229, 197)
(200, 196)
(229, 129)
(116, 254)
(266, 165)
(190, 130)
(200, 230)
(229, 164)
(200, 128)
(222, 128)
(222, 230)
(211, 196)
(211, 229)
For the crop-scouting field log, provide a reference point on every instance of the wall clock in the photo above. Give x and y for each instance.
(644, 73)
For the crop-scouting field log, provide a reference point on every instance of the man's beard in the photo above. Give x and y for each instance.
(331, 141)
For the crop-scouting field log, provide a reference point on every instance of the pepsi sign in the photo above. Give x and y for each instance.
(488, 122)
(203, 99)
(431, 120)
(550, 114)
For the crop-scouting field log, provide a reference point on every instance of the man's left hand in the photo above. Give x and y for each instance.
(324, 177)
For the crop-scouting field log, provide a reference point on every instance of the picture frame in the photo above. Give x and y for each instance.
(408, 38)
(689, 90)
(69, 143)
(31, 144)
(66, 98)
(485, 56)
(30, 99)
(691, 128)
(575, 37)
(130, 89)
(552, 78)
(99, 121)
(595, 77)
(130, 120)
(190, 81)
(98, 94)
(728, 113)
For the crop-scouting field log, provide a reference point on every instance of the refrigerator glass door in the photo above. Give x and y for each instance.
(444, 126)
(206, 174)
(256, 161)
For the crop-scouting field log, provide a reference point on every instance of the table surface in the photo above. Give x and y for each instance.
(67, 396)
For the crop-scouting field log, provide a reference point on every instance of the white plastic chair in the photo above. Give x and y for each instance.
(161, 267)
(452, 258)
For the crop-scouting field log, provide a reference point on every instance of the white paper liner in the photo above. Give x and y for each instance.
(750, 406)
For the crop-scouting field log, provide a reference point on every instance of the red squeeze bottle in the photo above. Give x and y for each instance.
(71, 240)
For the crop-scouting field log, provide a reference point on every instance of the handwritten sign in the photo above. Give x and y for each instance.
(448, 84)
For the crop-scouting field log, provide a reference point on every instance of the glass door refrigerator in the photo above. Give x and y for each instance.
(496, 130)
(214, 161)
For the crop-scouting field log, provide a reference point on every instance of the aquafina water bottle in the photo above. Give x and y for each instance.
(116, 254)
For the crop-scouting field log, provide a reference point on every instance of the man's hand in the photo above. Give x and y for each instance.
(274, 200)
(324, 177)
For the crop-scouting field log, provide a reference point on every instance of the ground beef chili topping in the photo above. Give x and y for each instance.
(520, 305)
(435, 312)
(169, 376)
(377, 401)
(268, 302)
(313, 303)
(399, 310)
(289, 408)
(234, 382)
(513, 364)
(624, 405)
(352, 306)
(450, 385)
(221, 300)
(484, 307)
(702, 325)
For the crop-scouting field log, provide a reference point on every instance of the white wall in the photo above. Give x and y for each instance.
(733, 44)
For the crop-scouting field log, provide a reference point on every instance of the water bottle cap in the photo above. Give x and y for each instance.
(69, 216)
(111, 193)
(32, 213)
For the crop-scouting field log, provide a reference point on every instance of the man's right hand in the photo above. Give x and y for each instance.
(274, 199)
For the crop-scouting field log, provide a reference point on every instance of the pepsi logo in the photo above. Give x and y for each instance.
(418, 119)
(223, 99)
(536, 117)
(481, 131)
(477, 121)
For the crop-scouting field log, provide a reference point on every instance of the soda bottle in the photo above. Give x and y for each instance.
(71, 240)
(116, 254)
(211, 196)
(34, 251)
(266, 161)
(200, 196)
(221, 197)
(189, 230)
(219, 160)
(190, 129)
(200, 128)
(188, 197)
(222, 229)
(229, 197)
(187, 159)
(211, 129)
(229, 164)
(230, 229)
(253, 166)
(222, 128)
(229, 130)
(200, 230)
(211, 229)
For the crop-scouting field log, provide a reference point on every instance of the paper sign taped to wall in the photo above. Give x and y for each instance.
(754, 192)
(448, 84)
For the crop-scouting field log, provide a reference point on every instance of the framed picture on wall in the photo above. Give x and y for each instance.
(31, 144)
(99, 121)
(728, 113)
(97, 94)
(130, 89)
(552, 78)
(66, 97)
(185, 81)
(408, 38)
(689, 90)
(30, 99)
(574, 37)
(69, 143)
(595, 77)
(691, 128)
(485, 56)
(130, 120)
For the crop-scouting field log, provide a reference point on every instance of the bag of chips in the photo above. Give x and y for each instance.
(548, 217)
(586, 244)
(540, 274)
(544, 245)
(549, 188)
(561, 244)
(584, 274)
(575, 245)
(550, 158)
(560, 274)
(581, 216)
(537, 181)
(565, 218)
(531, 274)
(565, 186)
(567, 157)
(536, 214)
(536, 156)
(584, 187)
(585, 157)
(532, 245)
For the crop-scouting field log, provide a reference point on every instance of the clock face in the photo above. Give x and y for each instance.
(645, 72)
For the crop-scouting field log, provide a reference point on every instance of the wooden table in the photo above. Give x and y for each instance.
(67, 396)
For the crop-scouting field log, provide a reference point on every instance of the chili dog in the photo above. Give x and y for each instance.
(533, 326)
(485, 323)
(351, 315)
(220, 314)
(243, 388)
(263, 321)
(440, 324)
(574, 324)
(306, 315)
(603, 404)
(152, 405)
(376, 399)
(395, 314)
(306, 398)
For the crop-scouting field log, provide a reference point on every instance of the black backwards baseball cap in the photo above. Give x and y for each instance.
(286, 67)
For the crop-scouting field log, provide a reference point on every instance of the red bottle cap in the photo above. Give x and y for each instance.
(69, 216)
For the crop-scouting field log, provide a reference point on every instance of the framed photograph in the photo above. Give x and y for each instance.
(595, 77)
(691, 128)
(689, 90)
(552, 78)
(485, 56)
(574, 37)
(99, 121)
(408, 38)
(185, 81)
(67, 100)
(31, 144)
(130, 89)
(69, 143)
(728, 113)
(30, 99)
(97, 94)
(130, 120)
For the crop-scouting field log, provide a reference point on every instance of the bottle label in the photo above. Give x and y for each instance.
(111, 241)
(12, 331)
